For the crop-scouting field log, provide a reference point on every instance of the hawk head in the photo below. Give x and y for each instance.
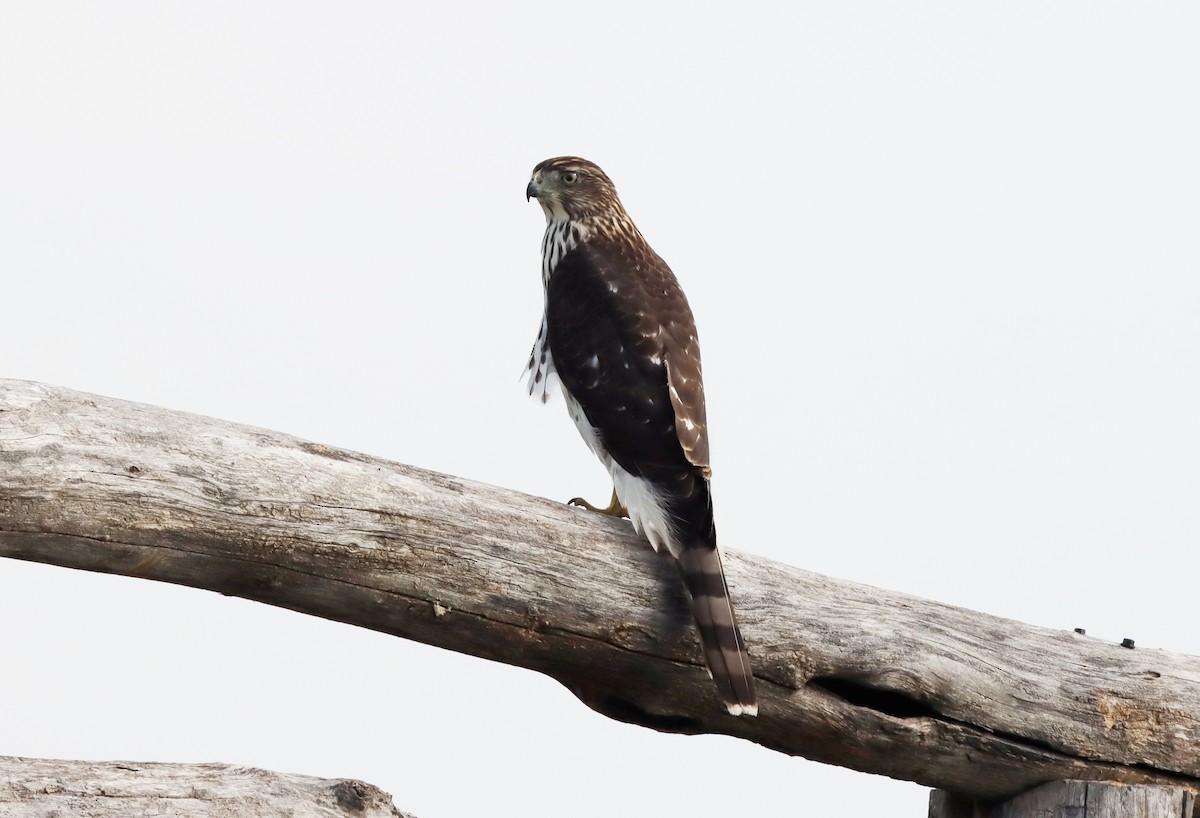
(568, 187)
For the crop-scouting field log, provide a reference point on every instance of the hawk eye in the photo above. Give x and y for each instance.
(570, 177)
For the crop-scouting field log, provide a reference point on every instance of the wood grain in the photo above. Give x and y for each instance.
(1091, 799)
(42, 788)
(848, 674)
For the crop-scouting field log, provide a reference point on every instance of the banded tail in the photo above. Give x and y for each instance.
(724, 651)
(682, 520)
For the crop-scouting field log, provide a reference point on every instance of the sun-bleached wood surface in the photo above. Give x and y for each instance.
(848, 674)
(44, 788)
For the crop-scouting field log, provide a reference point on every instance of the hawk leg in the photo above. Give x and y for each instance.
(614, 509)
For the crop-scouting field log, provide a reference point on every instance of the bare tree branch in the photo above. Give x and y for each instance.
(848, 674)
(37, 788)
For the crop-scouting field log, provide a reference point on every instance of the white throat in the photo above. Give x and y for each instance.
(561, 237)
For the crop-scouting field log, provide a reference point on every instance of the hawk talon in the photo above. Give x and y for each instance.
(614, 509)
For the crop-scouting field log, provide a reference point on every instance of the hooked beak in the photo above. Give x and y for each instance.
(531, 191)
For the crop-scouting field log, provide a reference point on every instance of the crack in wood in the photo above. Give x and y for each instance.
(860, 694)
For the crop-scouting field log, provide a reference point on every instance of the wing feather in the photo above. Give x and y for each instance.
(686, 385)
(624, 346)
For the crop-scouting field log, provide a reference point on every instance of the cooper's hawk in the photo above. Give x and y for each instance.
(618, 335)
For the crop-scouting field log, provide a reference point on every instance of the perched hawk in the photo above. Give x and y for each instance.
(618, 335)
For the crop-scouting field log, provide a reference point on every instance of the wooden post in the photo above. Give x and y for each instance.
(1073, 799)
(944, 804)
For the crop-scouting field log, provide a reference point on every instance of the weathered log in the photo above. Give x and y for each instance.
(37, 788)
(848, 674)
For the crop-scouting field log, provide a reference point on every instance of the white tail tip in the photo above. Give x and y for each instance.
(742, 709)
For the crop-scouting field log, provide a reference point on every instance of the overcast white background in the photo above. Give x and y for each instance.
(943, 257)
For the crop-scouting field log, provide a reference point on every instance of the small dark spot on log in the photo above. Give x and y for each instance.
(1151, 674)
(133, 470)
(351, 795)
(860, 694)
(1127, 643)
(1081, 631)
(629, 633)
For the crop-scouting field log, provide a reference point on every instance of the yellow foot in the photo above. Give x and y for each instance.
(615, 509)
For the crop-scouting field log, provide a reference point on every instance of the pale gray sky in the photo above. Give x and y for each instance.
(943, 257)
